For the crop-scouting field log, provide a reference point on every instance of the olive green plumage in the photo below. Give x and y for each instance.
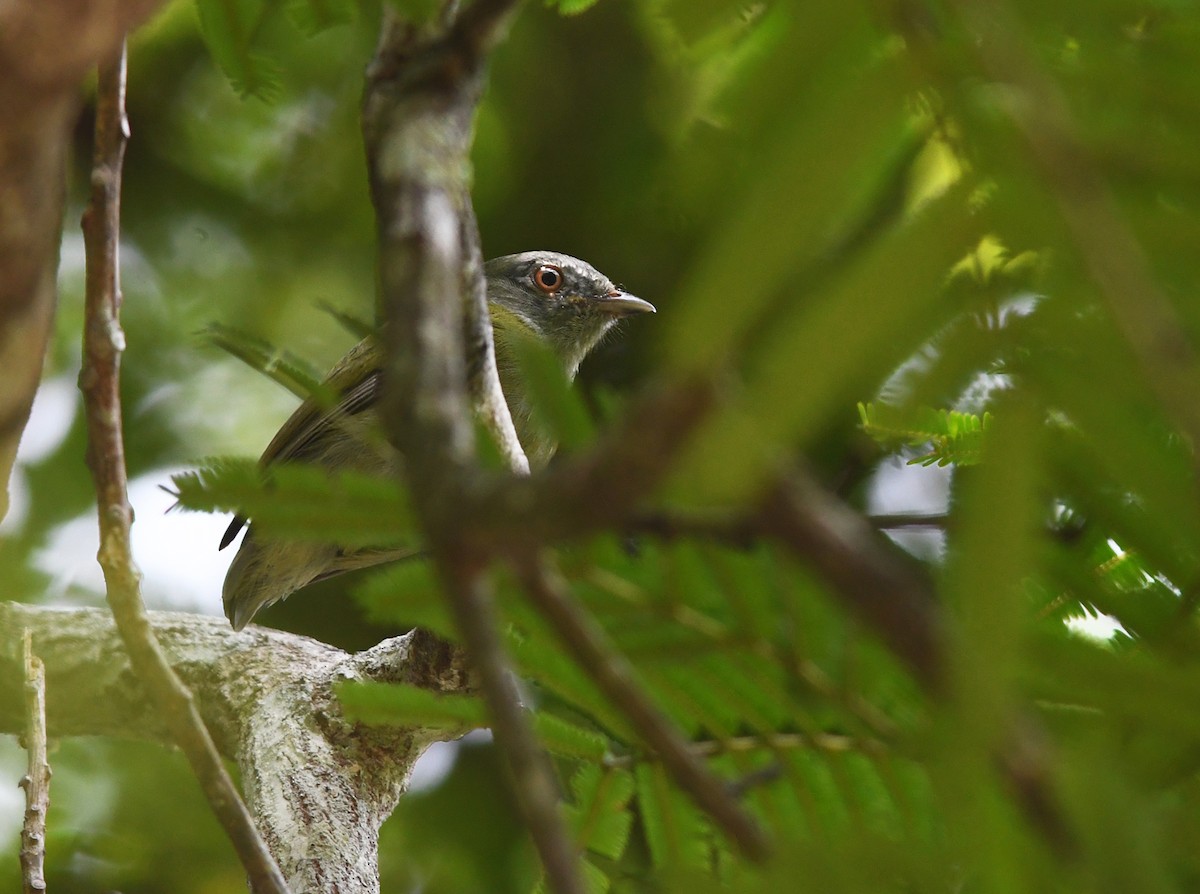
(562, 301)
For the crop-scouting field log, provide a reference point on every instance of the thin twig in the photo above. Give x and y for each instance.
(532, 776)
(830, 743)
(891, 520)
(103, 342)
(615, 677)
(36, 781)
(743, 531)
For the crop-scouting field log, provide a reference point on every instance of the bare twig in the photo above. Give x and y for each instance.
(743, 531)
(532, 776)
(890, 520)
(103, 342)
(422, 89)
(36, 781)
(615, 677)
(829, 743)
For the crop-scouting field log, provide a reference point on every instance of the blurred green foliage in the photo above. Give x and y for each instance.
(831, 208)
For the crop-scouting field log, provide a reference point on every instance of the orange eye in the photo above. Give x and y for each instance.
(548, 278)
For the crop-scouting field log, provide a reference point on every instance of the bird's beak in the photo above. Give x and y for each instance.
(622, 304)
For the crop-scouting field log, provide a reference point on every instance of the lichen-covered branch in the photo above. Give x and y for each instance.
(318, 786)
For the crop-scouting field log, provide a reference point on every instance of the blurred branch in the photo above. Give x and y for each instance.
(103, 342)
(829, 743)
(885, 593)
(615, 677)
(597, 490)
(422, 90)
(46, 49)
(36, 780)
(319, 785)
(741, 532)
(890, 520)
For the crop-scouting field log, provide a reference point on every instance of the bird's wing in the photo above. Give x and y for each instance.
(355, 379)
(302, 437)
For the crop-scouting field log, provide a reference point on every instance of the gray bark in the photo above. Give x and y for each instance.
(319, 786)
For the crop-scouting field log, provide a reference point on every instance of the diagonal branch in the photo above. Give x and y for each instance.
(615, 677)
(887, 594)
(99, 380)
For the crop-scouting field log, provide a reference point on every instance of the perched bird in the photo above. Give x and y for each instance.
(562, 301)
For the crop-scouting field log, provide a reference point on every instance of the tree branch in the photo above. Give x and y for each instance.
(615, 677)
(319, 785)
(875, 584)
(99, 380)
(483, 378)
(36, 780)
(422, 90)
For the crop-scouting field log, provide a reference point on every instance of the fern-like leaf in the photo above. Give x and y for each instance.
(954, 438)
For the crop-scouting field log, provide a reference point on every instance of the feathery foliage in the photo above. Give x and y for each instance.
(959, 239)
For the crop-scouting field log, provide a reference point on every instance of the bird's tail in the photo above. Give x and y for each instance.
(266, 571)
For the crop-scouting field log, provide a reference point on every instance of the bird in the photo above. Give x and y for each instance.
(565, 303)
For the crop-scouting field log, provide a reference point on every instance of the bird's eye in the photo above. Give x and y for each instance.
(548, 278)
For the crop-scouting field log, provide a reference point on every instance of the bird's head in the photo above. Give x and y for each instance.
(564, 301)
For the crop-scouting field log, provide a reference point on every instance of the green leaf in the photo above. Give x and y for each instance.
(747, 267)
(231, 30)
(557, 408)
(675, 833)
(539, 658)
(571, 7)
(955, 438)
(818, 353)
(314, 16)
(407, 593)
(302, 502)
(290, 371)
(568, 739)
(409, 706)
(600, 815)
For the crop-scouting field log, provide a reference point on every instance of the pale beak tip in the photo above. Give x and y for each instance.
(623, 304)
